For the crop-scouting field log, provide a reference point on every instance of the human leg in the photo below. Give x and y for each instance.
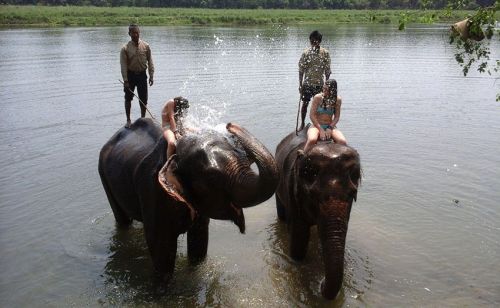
(129, 95)
(305, 97)
(312, 138)
(338, 137)
(128, 103)
(142, 90)
(303, 113)
(308, 92)
(171, 141)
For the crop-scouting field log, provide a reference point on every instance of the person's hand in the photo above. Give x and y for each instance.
(322, 135)
(126, 85)
(177, 135)
(150, 82)
(328, 134)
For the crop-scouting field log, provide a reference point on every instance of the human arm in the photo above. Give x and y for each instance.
(336, 116)
(151, 67)
(302, 67)
(123, 65)
(167, 115)
(301, 76)
(328, 63)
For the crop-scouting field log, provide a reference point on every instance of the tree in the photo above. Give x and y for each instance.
(469, 35)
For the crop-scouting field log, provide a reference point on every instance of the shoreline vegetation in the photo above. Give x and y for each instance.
(12, 16)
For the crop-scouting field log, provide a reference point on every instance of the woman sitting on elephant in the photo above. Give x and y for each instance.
(325, 114)
(171, 121)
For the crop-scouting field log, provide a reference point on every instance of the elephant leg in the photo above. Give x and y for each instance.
(299, 238)
(122, 220)
(197, 240)
(280, 209)
(163, 250)
(161, 234)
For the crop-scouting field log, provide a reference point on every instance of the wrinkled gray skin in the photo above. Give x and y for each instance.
(209, 177)
(318, 188)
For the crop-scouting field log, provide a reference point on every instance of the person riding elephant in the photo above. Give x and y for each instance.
(317, 187)
(208, 177)
(172, 121)
(325, 114)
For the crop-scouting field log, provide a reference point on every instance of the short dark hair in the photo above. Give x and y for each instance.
(132, 26)
(315, 36)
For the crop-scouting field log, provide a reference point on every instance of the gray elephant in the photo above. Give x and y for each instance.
(317, 188)
(208, 177)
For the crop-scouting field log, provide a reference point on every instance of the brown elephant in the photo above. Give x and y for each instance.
(317, 188)
(208, 177)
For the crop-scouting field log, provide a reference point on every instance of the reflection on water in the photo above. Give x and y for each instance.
(424, 231)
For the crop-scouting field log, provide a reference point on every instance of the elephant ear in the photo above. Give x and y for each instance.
(171, 185)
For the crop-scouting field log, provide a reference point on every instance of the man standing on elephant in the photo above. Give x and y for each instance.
(135, 58)
(171, 121)
(314, 69)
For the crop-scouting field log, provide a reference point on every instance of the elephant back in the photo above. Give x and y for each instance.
(128, 146)
(289, 145)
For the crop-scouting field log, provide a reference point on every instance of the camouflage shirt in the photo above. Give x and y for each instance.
(314, 64)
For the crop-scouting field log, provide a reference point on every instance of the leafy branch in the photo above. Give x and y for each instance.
(468, 37)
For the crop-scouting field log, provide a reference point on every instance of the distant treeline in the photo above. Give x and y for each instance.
(254, 4)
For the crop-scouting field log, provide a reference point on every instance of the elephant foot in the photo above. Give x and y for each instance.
(124, 224)
(195, 260)
(330, 292)
(162, 279)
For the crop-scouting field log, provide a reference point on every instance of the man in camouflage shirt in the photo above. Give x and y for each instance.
(314, 69)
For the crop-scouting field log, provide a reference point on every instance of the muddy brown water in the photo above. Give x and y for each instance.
(424, 232)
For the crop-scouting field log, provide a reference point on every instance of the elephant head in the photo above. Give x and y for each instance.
(214, 174)
(318, 188)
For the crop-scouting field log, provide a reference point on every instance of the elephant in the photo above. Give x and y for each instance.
(210, 176)
(317, 188)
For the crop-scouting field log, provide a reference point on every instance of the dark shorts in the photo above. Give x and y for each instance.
(309, 91)
(139, 80)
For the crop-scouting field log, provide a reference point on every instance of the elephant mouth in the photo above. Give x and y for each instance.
(238, 218)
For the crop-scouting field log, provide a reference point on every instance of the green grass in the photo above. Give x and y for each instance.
(86, 16)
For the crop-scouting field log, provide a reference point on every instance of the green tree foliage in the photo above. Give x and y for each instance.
(473, 48)
(254, 4)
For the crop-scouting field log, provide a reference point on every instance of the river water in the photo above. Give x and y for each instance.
(424, 232)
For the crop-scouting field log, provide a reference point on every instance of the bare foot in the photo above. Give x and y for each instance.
(127, 125)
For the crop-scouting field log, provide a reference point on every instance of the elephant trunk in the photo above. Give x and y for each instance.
(248, 188)
(332, 224)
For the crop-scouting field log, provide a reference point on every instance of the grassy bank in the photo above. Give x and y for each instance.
(43, 16)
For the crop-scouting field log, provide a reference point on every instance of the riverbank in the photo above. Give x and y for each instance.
(85, 16)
